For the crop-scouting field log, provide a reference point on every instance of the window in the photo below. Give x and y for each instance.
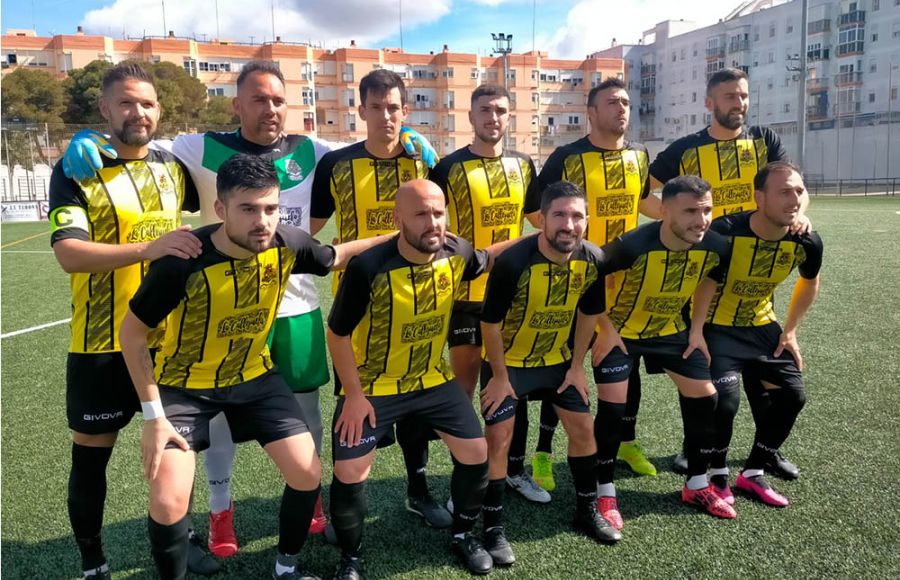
(789, 29)
(220, 92)
(873, 66)
(896, 30)
(535, 98)
(306, 97)
(772, 30)
(306, 71)
(875, 37)
(787, 107)
(309, 123)
(674, 56)
(683, 53)
(693, 97)
(190, 65)
(770, 84)
(574, 120)
(876, 4)
(756, 33)
(350, 122)
(447, 73)
(693, 119)
(771, 58)
(347, 72)
(474, 74)
(871, 97)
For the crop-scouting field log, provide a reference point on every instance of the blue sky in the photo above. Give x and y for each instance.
(565, 28)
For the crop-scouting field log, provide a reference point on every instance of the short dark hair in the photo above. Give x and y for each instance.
(762, 176)
(685, 184)
(609, 83)
(126, 71)
(247, 172)
(260, 66)
(379, 82)
(726, 75)
(489, 91)
(559, 190)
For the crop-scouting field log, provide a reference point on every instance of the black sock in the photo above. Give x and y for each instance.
(549, 421)
(515, 464)
(584, 476)
(729, 389)
(412, 436)
(698, 415)
(293, 519)
(169, 547)
(468, 486)
(774, 428)
(348, 514)
(632, 404)
(607, 432)
(87, 494)
(493, 503)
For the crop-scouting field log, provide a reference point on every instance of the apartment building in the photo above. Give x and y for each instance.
(548, 95)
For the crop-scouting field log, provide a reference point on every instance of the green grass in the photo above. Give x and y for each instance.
(842, 521)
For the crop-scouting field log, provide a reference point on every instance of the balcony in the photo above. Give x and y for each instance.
(818, 54)
(715, 52)
(850, 48)
(852, 18)
(648, 70)
(847, 108)
(819, 26)
(647, 91)
(739, 45)
(816, 113)
(816, 85)
(848, 79)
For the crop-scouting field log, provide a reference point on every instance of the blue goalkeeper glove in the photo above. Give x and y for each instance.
(82, 158)
(418, 146)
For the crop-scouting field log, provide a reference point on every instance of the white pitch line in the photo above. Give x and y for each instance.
(26, 251)
(34, 328)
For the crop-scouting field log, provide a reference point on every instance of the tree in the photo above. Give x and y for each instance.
(219, 111)
(182, 96)
(83, 88)
(33, 95)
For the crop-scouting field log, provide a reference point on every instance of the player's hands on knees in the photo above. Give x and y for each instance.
(801, 225)
(157, 434)
(575, 377)
(493, 395)
(788, 342)
(697, 342)
(349, 426)
(82, 157)
(180, 243)
(604, 343)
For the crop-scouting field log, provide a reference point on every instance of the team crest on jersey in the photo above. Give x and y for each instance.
(443, 282)
(746, 157)
(784, 259)
(513, 176)
(165, 184)
(406, 175)
(268, 275)
(692, 270)
(293, 170)
(631, 167)
(577, 281)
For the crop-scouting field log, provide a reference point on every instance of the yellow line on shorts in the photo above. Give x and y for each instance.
(24, 240)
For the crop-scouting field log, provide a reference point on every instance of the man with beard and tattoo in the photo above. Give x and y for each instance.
(487, 190)
(106, 230)
(663, 264)
(728, 155)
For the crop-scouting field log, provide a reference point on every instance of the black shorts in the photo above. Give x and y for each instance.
(534, 384)
(465, 325)
(100, 397)
(262, 409)
(444, 408)
(750, 348)
(662, 353)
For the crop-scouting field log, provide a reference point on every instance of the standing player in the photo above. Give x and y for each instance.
(486, 190)
(214, 359)
(358, 185)
(663, 263)
(614, 174)
(105, 231)
(298, 341)
(386, 333)
(741, 331)
(538, 289)
(728, 155)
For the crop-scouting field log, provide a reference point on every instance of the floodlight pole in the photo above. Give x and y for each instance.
(503, 46)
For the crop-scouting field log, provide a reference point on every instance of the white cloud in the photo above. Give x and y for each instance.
(329, 22)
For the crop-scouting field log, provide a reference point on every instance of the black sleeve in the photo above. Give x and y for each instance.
(533, 191)
(617, 256)
(551, 172)
(439, 175)
(667, 164)
(352, 300)
(191, 201)
(721, 225)
(774, 146)
(645, 175)
(810, 267)
(312, 256)
(721, 246)
(502, 285)
(322, 202)
(593, 301)
(68, 208)
(161, 290)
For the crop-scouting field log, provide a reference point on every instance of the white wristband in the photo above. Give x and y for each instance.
(152, 409)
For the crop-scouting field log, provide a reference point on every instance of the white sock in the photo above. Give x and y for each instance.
(606, 490)
(697, 482)
(719, 471)
(289, 564)
(752, 472)
(219, 461)
(96, 571)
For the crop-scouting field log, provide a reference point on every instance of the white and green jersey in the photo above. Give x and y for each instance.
(295, 158)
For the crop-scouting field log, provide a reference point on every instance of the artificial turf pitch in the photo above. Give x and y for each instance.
(842, 522)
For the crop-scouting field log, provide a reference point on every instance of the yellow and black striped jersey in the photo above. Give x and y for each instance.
(127, 201)
(535, 300)
(659, 282)
(398, 314)
(729, 166)
(358, 189)
(756, 268)
(615, 182)
(220, 309)
(486, 197)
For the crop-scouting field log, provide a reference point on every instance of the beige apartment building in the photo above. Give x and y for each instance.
(548, 95)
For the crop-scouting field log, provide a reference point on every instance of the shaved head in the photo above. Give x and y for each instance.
(420, 215)
(417, 188)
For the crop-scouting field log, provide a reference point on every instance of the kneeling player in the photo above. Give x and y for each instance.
(531, 301)
(214, 359)
(741, 330)
(663, 262)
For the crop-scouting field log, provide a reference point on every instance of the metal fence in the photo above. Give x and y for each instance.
(853, 187)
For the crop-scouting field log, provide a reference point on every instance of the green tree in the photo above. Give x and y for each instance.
(219, 111)
(182, 96)
(33, 95)
(83, 88)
